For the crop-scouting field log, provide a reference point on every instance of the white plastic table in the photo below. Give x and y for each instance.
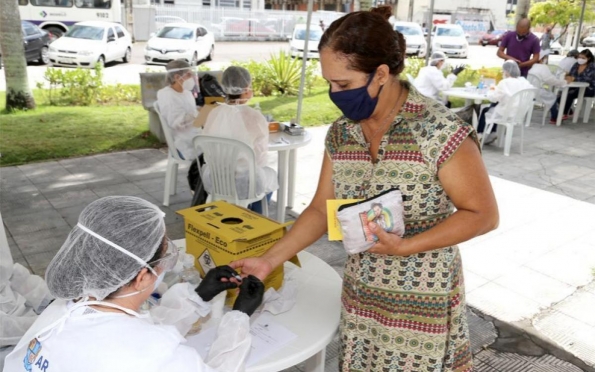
(581, 95)
(286, 147)
(314, 318)
(470, 96)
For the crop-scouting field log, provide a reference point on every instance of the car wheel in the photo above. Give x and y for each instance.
(44, 59)
(100, 62)
(194, 61)
(57, 32)
(127, 55)
(211, 53)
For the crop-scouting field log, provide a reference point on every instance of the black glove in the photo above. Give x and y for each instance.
(457, 70)
(250, 297)
(212, 285)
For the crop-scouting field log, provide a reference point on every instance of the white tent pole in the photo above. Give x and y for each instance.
(304, 62)
(430, 26)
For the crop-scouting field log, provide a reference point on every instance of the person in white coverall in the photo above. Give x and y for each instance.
(430, 80)
(178, 106)
(107, 268)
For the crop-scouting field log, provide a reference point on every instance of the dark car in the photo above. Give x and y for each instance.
(36, 43)
(492, 38)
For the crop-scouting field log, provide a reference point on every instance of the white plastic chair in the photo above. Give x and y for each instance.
(524, 101)
(173, 160)
(587, 107)
(221, 156)
(538, 83)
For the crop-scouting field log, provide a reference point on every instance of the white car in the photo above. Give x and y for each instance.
(589, 41)
(450, 39)
(162, 20)
(189, 41)
(89, 43)
(414, 37)
(298, 40)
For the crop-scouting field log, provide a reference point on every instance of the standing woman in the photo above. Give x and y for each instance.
(403, 301)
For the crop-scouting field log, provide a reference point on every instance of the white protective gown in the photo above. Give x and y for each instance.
(69, 337)
(431, 81)
(243, 123)
(179, 111)
(566, 63)
(505, 89)
(544, 73)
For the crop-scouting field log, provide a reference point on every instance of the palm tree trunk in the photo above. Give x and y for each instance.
(18, 92)
(522, 9)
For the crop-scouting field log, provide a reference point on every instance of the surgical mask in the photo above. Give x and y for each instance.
(443, 66)
(520, 37)
(356, 104)
(581, 61)
(188, 84)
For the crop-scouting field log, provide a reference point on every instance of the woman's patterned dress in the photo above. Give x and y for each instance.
(403, 313)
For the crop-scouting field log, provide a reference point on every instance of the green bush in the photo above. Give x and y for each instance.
(84, 87)
(412, 67)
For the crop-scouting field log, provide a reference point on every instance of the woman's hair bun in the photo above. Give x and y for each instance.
(385, 11)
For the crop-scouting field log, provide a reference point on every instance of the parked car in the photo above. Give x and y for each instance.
(589, 41)
(414, 38)
(37, 43)
(492, 37)
(450, 39)
(298, 40)
(87, 44)
(161, 21)
(189, 41)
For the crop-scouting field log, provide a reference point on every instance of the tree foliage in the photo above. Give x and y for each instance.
(560, 12)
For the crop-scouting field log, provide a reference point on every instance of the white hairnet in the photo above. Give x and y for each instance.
(88, 266)
(437, 57)
(235, 80)
(511, 68)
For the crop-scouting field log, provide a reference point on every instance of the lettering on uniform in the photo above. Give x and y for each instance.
(42, 364)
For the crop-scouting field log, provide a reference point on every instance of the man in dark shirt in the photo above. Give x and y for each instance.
(521, 46)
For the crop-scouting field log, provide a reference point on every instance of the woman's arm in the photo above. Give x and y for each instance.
(466, 182)
(308, 228)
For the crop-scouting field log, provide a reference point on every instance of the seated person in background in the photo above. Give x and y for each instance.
(501, 108)
(431, 81)
(543, 72)
(234, 119)
(178, 107)
(109, 265)
(570, 60)
(583, 71)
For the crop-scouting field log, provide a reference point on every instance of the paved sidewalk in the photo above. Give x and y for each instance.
(529, 284)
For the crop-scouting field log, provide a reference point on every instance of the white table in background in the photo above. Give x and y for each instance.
(579, 102)
(286, 147)
(470, 96)
(314, 318)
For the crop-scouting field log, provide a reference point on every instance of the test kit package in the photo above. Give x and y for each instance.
(385, 209)
(218, 233)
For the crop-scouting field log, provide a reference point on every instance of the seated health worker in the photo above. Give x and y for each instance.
(235, 119)
(178, 106)
(430, 80)
(501, 107)
(111, 262)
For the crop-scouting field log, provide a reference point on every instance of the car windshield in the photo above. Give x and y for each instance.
(180, 33)
(85, 32)
(315, 34)
(449, 32)
(497, 32)
(408, 30)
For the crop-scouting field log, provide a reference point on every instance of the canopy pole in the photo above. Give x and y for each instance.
(304, 62)
(430, 26)
(580, 25)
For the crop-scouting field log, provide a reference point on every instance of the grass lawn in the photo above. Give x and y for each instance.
(51, 132)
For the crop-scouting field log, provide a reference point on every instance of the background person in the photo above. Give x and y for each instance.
(502, 107)
(583, 71)
(543, 72)
(521, 46)
(235, 119)
(545, 43)
(361, 57)
(178, 106)
(567, 62)
(430, 80)
(109, 265)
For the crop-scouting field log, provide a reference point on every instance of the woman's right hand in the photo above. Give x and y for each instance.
(258, 266)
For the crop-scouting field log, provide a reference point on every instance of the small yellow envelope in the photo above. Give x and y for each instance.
(334, 227)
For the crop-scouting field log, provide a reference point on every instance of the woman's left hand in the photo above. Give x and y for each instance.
(387, 243)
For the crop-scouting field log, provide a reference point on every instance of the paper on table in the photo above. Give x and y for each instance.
(268, 336)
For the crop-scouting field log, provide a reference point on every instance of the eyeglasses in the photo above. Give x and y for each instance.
(169, 259)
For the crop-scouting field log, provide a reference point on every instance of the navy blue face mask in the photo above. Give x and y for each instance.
(356, 104)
